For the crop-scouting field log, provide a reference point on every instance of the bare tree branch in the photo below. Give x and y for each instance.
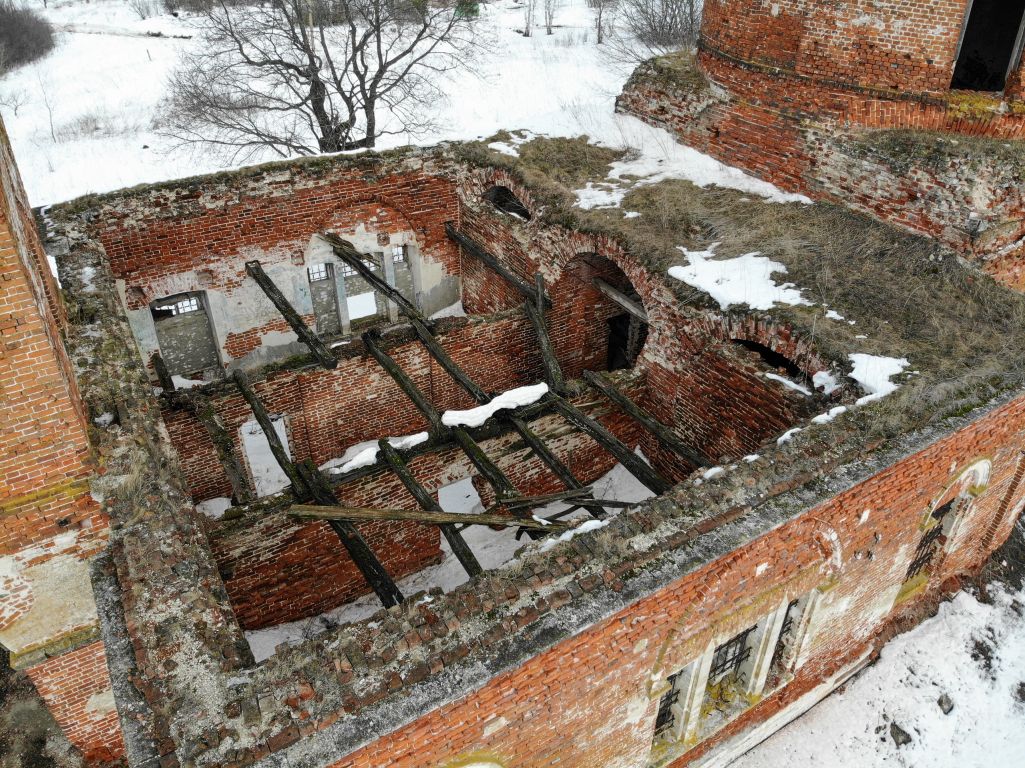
(298, 77)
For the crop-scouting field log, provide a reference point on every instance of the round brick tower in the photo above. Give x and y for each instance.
(908, 110)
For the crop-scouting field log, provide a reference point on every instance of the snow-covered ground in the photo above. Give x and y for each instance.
(973, 653)
(85, 122)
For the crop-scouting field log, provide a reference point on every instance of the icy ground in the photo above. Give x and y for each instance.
(974, 653)
(85, 116)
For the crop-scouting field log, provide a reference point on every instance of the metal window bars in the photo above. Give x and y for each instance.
(664, 719)
(729, 657)
(929, 546)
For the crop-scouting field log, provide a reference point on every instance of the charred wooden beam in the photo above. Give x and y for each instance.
(163, 375)
(427, 503)
(488, 469)
(306, 336)
(422, 516)
(635, 308)
(495, 265)
(636, 466)
(347, 253)
(445, 361)
(553, 371)
(545, 498)
(203, 410)
(299, 488)
(308, 482)
(359, 550)
(408, 386)
(661, 432)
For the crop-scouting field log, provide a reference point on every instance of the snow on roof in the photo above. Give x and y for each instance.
(873, 373)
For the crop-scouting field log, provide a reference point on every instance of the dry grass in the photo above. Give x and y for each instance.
(961, 331)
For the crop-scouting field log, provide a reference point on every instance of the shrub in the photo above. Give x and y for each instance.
(24, 35)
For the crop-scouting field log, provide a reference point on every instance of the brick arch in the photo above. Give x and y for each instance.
(781, 339)
(486, 178)
(362, 201)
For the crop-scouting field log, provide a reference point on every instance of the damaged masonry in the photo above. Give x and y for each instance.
(408, 459)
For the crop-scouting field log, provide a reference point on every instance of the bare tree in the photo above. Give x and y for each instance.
(550, 7)
(298, 77)
(648, 28)
(603, 14)
(529, 6)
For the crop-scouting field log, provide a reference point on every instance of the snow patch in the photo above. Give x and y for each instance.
(788, 383)
(745, 279)
(214, 508)
(513, 398)
(825, 381)
(873, 373)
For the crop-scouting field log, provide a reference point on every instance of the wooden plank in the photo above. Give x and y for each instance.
(408, 386)
(553, 371)
(546, 498)
(163, 375)
(631, 461)
(306, 336)
(635, 308)
(661, 432)
(495, 265)
(504, 489)
(204, 412)
(427, 503)
(445, 361)
(362, 514)
(347, 253)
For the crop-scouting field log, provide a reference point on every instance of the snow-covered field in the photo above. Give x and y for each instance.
(83, 120)
(973, 653)
(86, 115)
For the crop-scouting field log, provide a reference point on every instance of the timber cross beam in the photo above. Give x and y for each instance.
(517, 282)
(306, 336)
(661, 432)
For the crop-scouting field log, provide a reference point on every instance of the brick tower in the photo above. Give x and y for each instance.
(49, 524)
(906, 110)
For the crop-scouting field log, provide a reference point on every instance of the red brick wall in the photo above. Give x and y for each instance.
(183, 229)
(795, 134)
(76, 688)
(43, 444)
(906, 47)
(590, 699)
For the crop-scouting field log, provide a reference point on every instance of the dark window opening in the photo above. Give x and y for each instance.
(932, 542)
(729, 657)
(990, 47)
(627, 334)
(772, 359)
(504, 200)
(664, 718)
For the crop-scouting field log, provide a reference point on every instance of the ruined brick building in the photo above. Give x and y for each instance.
(280, 344)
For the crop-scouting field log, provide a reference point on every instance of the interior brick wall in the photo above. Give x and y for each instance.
(277, 569)
(76, 689)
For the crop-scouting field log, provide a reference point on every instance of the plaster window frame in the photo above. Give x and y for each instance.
(691, 724)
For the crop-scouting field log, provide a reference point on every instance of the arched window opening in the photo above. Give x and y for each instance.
(772, 358)
(506, 201)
